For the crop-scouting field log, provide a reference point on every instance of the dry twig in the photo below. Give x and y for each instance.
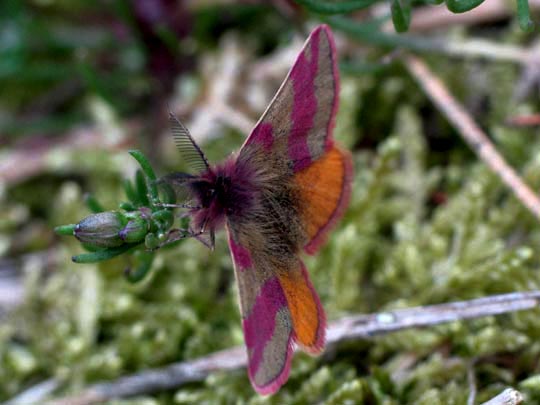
(349, 328)
(471, 379)
(471, 132)
(524, 121)
(24, 161)
(35, 394)
(508, 397)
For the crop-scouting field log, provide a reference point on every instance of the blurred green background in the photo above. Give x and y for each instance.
(83, 82)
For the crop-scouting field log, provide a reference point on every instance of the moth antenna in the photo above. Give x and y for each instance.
(190, 151)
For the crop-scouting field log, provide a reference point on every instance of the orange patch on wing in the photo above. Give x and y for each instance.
(305, 309)
(324, 189)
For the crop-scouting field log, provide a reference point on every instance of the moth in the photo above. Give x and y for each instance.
(277, 197)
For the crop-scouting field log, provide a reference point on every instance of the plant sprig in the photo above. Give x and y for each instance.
(140, 226)
(401, 9)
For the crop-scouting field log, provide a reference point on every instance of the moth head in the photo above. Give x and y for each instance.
(205, 192)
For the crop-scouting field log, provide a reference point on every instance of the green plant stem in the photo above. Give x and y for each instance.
(65, 229)
(324, 7)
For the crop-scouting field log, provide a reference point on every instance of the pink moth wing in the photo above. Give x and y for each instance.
(291, 158)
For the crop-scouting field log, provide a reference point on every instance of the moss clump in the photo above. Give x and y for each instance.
(428, 223)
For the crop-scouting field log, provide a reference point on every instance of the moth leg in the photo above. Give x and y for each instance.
(206, 238)
(178, 234)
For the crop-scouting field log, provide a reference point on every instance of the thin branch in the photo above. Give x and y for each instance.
(367, 326)
(159, 379)
(35, 394)
(26, 160)
(508, 397)
(471, 379)
(349, 328)
(485, 49)
(471, 133)
(524, 121)
(529, 81)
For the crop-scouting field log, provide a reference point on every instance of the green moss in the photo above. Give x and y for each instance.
(428, 223)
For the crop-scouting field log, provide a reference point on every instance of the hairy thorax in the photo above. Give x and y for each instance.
(262, 202)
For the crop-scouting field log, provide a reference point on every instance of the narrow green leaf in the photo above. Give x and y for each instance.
(168, 37)
(94, 82)
(524, 15)
(325, 7)
(357, 68)
(91, 248)
(462, 6)
(93, 204)
(130, 192)
(144, 163)
(104, 254)
(401, 14)
(149, 172)
(127, 206)
(140, 272)
(142, 188)
(365, 32)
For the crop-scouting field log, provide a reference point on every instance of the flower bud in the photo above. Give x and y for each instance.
(151, 241)
(101, 229)
(135, 230)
